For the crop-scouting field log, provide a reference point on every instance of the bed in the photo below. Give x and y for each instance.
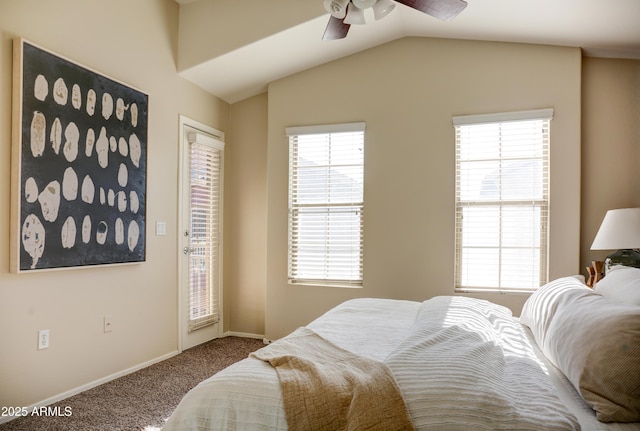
(571, 361)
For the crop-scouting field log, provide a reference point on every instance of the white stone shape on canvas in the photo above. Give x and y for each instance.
(55, 136)
(113, 144)
(38, 133)
(70, 184)
(123, 175)
(91, 102)
(86, 229)
(135, 150)
(101, 233)
(33, 238)
(60, 92)
(111, 198)
(119, 231)
(49, 200)
(133, 235)
(41, 88)
(102, 148)
(107, 106)
(120, 108)
(123, 147)
(71, 136)
(88, 190)
(134, 202)
(68, 233)
(122, 201)
(89, 142)
(30, 190)
(76, 96)
(103, 196)
(134, 115)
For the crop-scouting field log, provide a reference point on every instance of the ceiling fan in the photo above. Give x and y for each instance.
(347, 12)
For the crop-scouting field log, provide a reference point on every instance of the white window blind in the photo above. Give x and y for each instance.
(326, 203)
(204, 256)
(502, 200)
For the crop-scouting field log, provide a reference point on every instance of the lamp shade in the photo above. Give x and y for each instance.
(355, 15)
(337, 8)
(382, 8)
(363, 4)
(620, 229)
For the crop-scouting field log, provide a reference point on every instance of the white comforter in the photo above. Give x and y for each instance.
(460, 363)
(467, 365)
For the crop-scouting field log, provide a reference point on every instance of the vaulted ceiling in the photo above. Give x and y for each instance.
(234, 48)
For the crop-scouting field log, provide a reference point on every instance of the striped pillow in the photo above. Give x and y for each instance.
(594, 341)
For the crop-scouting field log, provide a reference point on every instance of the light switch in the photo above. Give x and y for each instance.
(161, 228)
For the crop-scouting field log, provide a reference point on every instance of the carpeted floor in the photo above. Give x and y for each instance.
(142, 400)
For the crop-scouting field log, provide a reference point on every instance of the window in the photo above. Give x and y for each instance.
(502, 201)
(205, 164)
(326, 202)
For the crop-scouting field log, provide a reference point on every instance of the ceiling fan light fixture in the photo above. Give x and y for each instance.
(364, 4)
(337, 8)
(382, 8)
(355, 15)
(347, 12)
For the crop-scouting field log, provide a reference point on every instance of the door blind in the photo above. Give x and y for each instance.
(204, 255)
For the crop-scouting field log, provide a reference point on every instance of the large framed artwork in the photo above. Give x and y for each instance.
(79, 160)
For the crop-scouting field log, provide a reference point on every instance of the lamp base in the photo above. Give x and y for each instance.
(626, 257)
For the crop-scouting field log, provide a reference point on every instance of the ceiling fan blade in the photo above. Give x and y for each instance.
(446, 10)
(336, 29)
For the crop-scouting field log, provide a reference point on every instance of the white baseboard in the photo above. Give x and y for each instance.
(91, 385)
(75, 391)
(243, 334)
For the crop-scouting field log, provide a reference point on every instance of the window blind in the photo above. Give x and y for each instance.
(326, 204)
(502, 200)
(204, 256)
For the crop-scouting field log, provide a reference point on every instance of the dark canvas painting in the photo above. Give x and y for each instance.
(81, 161)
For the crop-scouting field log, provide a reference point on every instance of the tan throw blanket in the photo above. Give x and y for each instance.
(325, 387)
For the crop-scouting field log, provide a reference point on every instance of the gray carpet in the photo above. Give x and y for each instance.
(142, 400)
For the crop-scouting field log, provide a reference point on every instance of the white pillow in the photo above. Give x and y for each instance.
(594, 341)
(622, 283)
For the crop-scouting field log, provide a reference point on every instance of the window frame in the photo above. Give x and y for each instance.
(294, 275)
(545, 115)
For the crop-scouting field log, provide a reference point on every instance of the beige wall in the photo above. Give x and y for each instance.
(245, 253)
(134, 42)
(610, 145)
(407, 91)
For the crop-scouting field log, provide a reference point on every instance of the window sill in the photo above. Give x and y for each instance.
(505, 291)
(327, 283)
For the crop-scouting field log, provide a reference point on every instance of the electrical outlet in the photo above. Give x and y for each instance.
(107, 323)
(43, 339)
